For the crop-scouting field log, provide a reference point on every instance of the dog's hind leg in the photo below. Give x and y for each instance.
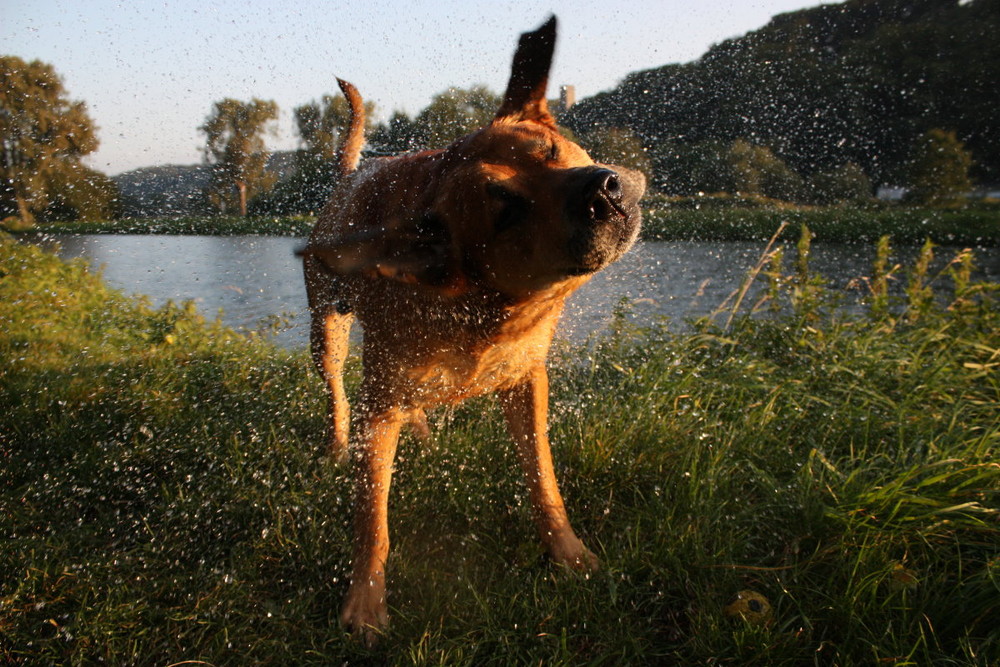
(336, 328)
(328, 340)
(526, 408)
(329, 343)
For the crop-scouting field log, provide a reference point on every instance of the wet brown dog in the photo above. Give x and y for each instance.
(458, 262)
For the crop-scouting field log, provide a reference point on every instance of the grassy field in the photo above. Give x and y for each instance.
(164, 501)
(973, 226)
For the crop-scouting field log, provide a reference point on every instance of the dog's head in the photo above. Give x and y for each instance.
(515, 207)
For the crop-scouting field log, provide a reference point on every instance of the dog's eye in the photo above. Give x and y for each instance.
(554, 152)
(515, 207)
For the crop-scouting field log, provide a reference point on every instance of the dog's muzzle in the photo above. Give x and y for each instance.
(603, 209)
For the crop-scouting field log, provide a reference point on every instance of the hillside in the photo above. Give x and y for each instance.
(821, 87)
(841, 91)
(177, 189)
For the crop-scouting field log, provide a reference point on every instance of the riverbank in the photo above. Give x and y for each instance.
(977, 226)
(165, 502)
(904, 226)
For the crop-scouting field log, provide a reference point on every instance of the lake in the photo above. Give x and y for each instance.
(253, 278)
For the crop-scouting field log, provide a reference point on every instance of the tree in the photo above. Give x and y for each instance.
(847, 184)
(455, 113)
(689, 168)
(939, 169)
(235, 149)
(321, 123)
(399, 135)
(840, 82)
(80, 193)
(619, 146)
(44, 136)
(755, 170)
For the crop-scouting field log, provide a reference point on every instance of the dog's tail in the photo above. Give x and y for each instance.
(349, 152)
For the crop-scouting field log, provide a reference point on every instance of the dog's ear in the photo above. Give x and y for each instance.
(529, 77)
(418, 255)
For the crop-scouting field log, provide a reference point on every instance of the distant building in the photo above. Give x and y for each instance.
(890, 193)
(567, 98)
(986, 192)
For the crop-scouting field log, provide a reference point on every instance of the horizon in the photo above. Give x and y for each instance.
(150, 73)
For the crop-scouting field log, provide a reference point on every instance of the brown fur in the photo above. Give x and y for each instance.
(458, 263)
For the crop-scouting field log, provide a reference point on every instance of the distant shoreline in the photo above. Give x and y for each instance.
(904, 226)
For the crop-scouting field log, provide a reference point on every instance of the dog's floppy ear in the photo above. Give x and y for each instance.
(529, 77)
(419, 255)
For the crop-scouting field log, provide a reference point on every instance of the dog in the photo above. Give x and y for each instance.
(457, 262)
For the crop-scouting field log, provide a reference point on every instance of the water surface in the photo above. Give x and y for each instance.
(253, 278)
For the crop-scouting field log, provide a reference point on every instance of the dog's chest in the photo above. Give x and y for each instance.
(452, 374)
(443, 358)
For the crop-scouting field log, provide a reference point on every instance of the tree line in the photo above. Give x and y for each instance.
(814, 108)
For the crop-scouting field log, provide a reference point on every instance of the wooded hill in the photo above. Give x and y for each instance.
(833, 98)
(172, 189)
(856, 82)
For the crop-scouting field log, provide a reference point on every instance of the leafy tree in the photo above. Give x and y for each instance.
(81, 193)
(43, 137)
(681, 168)
(847, 184)
(321, 123)
(399, 135)
(620, 146)
(453, 114)
(939, 169)
(235, 149)
(755, 170)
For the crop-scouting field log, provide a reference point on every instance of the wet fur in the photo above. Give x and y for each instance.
(458, 263)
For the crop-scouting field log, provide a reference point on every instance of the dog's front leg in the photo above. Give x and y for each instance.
(526, 407)
(364, 611)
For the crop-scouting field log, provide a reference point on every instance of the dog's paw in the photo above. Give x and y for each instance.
(573, 554)
(365, 615)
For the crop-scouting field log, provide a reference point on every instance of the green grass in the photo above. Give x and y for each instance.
(164, 500)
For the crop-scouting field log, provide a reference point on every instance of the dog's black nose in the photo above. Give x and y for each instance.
(612, 185)
(605, 196)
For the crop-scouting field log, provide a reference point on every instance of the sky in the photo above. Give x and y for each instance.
(150, 72)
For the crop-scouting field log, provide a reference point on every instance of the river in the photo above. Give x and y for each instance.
(253, 278)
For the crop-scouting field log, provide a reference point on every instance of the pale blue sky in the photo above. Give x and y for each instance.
(150, 71)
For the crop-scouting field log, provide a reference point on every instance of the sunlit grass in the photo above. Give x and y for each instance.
(164, 498)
